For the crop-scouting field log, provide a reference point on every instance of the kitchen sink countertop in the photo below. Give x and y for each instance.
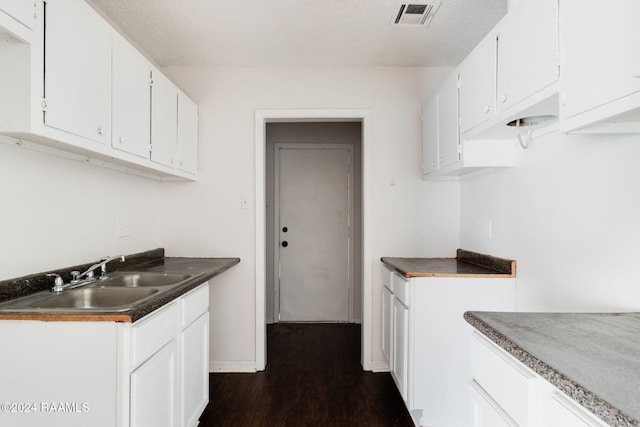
(200, 269)
(592, 357)
(465, 264)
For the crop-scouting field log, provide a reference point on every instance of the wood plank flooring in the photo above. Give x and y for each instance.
(313, 378)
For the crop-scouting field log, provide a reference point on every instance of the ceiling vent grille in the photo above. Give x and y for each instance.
(415, 14)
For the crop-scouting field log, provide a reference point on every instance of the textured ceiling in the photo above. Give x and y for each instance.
(299, 32)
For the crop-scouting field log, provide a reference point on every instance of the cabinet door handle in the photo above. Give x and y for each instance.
(487, 108)
(100, 131)
(503, 98)
(121, 140)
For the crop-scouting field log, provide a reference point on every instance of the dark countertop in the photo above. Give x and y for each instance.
(466, 264)
(201, 269)
(592, 357)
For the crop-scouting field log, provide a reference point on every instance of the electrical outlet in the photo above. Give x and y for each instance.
(123, 227)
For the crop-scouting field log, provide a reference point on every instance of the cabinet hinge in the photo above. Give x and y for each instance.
(150, 147)
(43, 104)
(458, 81)
(35, 10)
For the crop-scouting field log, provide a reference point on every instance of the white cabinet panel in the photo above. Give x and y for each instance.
(194, 374)
(23, 11)
(131, 100)
(77, 71)
(478, 84)
(187, 134)
(164, 120)
(527, 51)
(387, 324)
(400, 365)
(600, 75)
(448, 118)
(485, 411)
(510, 384)
(154, 390)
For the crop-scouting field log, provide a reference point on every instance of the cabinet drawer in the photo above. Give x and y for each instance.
(194, 304)
(401, 289)
(509, 383)
(154, 332)
(561, 410)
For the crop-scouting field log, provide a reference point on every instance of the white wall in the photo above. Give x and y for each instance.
(57, 212)
(570, 215)
(410, 218)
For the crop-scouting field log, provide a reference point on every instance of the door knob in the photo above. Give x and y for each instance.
(285, 244)
(285, 229)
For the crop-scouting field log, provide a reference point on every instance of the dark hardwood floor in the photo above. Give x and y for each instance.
(313, 378)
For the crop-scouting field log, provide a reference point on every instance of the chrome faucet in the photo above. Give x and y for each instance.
(77, 277)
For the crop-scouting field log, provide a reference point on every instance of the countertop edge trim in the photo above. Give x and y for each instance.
(588, 400)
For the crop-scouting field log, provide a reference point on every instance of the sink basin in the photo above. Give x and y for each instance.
(92, 298)
(141, 280)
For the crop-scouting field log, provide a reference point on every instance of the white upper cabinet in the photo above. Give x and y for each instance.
(164, 120)
(441, 136)
(77, 71)
(131, 99)
(23, 11)
(445, 155)
(600, 74)
(478, 84)
(187, 134)
(527, 51)
(73, 83)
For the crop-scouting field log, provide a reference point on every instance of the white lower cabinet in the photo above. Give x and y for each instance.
(429, 358)
(400, 350)
(153, 372)
(154, 390)
(504, 392)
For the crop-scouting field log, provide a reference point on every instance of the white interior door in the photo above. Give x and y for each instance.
(313, 218)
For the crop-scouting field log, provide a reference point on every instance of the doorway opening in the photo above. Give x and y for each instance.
(313, 222)
(365, 262)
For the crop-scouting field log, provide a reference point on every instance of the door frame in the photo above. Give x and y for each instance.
(262, 117)
(276, 216)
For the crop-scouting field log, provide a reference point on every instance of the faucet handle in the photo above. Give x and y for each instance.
(74, 276)
(57, 283)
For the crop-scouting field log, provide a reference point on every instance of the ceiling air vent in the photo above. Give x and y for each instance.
(415, 14)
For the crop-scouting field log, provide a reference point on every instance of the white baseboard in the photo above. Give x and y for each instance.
(232, 366)
(380, 366)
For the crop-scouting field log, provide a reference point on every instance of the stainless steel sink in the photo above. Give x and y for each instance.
(121, 291)
(141, 280)
(93, 298)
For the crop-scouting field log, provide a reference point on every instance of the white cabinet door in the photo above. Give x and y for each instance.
(400, 366)
(131, 102)
(23, 11)
(154, 392)
(77, 70)
(187, 134)
(601, 66)
(194, 370)
(448, 119)
(430, 136)
(485, 412)
(387, 325)
(478, 84)
(527, 51)
(164, 120)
